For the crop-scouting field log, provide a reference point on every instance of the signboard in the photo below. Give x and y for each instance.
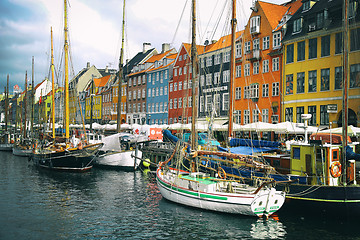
(332, 108)
(155, 134)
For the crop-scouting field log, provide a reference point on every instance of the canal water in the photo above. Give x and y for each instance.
(106, 204)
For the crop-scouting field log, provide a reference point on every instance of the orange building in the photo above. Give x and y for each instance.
(258, 63)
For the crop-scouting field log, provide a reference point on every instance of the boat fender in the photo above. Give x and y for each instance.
(221, 173)
(146, 163)
(335, 169)
(80, 145)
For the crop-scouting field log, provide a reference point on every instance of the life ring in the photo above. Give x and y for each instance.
(221, 173)
(335, 169)
(131, 148)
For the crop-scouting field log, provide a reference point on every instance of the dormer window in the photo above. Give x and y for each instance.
(306, 5)
(255, 25)
(297, 25)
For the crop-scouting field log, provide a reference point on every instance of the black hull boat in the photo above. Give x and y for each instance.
(329, 201)
(72, 160)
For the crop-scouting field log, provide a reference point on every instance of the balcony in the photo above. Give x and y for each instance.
(253, 55)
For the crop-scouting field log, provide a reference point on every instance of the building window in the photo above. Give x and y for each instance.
(237, 93)
(256, 44)
(301, 51)
(324, 115)
(312, 81)
(299, 111)
(208, 79)
(255, 115)
(201, 107)
(225, 105)
(354, 39)
(216, 78)
(300, 82)
(209, 61)
(175, 103)
(338, 43)
(180, 102)
(297, 25)
(247, 69)
(246, 92)
(265, 66)
(312, 48)
(171, 104)
(290, 53)
(266, 42)
(275, 89)
(265, 90)
(277, 40)
(325, 79)
(255, 24)
(180, 85)
(289, 84)
(275, 64)
(238, 71)
(247, 47)
(217, 103)
(226, 76)
(265, 115)
(208, 103)
(237, 51)
(354, 76)
(325, 46)
(216, 59)
(246, 116)
(175, 86)
(338, 78)
(312, 111)
(226, 57)
(256, 68)
(289, 114)
(237, 117)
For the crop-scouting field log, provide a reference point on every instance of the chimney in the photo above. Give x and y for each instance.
(88, 65)
(165, 47)
(146, 47)
(106, 69)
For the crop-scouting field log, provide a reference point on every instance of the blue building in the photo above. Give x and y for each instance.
(157, 90)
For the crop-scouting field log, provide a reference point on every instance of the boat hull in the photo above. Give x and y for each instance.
(334, 201)
(122, 160)
(72, 160)
(246, 204)
(6, 146)
(21, 152)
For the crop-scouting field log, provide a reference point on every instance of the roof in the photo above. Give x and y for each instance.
(136, 60)
(273, 12)
(223, 42)
(101, 82)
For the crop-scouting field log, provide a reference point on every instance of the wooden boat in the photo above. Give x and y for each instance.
(65, 156)
(6, 144)
(180, 180)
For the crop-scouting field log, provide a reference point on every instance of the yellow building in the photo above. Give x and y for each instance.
(312, 65)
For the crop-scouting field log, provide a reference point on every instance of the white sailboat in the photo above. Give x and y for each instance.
(186, 184)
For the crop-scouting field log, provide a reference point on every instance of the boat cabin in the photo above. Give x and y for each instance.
(319, 160)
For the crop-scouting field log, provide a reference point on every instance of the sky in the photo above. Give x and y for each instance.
(95, 31)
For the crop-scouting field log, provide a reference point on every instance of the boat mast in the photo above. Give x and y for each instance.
(32, 99)
(232, 70)
(121, 73)
(25, 105)
(52, 87)
(6, 103)
(66, 85)
(194, 76)
(345, 85)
